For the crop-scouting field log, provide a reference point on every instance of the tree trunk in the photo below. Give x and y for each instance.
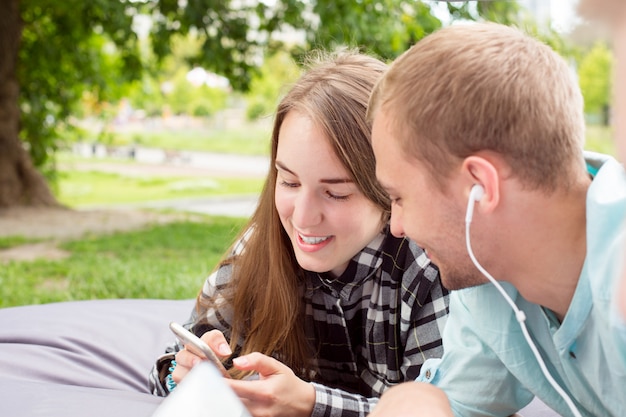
(20, 182)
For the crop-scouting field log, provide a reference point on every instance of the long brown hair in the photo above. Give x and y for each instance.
(265, 292)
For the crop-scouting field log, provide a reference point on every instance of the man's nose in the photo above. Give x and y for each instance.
(395, 223)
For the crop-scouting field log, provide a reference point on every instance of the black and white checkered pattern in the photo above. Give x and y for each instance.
(372, 327)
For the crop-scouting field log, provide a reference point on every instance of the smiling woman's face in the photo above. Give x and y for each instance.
(326, 216)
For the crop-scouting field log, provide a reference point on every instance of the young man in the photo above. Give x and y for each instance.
(481, 117)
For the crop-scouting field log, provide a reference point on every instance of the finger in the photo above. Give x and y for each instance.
(217, 342)
(187, 359)
(250, 392)
(250, 405)
(180, 368)
(179, 373)
(262, 364)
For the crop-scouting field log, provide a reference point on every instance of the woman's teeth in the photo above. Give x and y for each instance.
(313, 240)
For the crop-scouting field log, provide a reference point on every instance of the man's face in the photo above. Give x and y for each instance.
(434, 218)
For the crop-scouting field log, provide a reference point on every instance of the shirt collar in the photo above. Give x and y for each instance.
(360, 268)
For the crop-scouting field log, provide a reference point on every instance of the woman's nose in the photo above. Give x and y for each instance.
(307, 210)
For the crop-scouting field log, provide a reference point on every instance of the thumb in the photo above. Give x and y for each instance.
(262, 364)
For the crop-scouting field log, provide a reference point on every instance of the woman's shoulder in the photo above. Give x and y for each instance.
(222, 276)
(408, 265)
(405, 253)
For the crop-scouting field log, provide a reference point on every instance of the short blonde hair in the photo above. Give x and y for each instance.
(467, 88)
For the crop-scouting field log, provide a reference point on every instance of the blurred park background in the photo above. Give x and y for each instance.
(120, 103)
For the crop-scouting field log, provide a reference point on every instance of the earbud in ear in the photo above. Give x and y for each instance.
(476, 194)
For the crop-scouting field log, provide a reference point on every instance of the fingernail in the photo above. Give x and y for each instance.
(240, 361)
(224, 349)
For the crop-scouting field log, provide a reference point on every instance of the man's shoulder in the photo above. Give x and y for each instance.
(486, 292)
(484, 304)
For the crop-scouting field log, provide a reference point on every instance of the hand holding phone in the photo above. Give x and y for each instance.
(197, 346)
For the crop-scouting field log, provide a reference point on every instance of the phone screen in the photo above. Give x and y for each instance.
(197, 346)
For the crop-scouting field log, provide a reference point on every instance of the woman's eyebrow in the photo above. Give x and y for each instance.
(283, 167)
(336, 181)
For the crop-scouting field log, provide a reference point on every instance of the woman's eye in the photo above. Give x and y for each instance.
(338, 197)
(287, 184)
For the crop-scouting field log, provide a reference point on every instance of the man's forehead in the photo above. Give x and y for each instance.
(380, 116)
(388, 154)
(382, 132)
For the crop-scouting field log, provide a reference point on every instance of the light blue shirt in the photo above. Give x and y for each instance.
(619, 321)
(620, 334)
(488, 369)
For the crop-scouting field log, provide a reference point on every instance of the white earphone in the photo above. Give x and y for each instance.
(476, 194)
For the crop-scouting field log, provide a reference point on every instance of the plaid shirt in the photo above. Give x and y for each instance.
(373, 327)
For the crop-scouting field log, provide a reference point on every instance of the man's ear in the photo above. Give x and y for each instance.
(478, 170)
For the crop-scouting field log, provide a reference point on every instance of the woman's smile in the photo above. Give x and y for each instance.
(312, 243)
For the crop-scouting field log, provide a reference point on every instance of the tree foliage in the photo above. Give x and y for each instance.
(76, 48)
(68, 48)
(594, 78)
(385, 28)
(277, 72)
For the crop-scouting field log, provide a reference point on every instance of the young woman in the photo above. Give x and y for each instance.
(316, 296)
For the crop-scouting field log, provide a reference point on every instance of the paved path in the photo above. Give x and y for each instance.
(234, 206)
(184, 163)
(195, 164)
(242, 206)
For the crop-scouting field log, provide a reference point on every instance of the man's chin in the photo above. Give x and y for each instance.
(452, 282)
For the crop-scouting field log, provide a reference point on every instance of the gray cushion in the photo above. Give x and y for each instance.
(85, 357)
(92, 358)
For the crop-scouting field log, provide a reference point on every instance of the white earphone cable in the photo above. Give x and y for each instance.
(519, 314)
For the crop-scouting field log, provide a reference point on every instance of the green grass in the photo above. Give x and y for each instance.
(254, 140)
(80, 189)
(246, 140)
(165, 261)
(11, 241)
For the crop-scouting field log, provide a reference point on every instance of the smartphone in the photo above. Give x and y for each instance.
(197, 346)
